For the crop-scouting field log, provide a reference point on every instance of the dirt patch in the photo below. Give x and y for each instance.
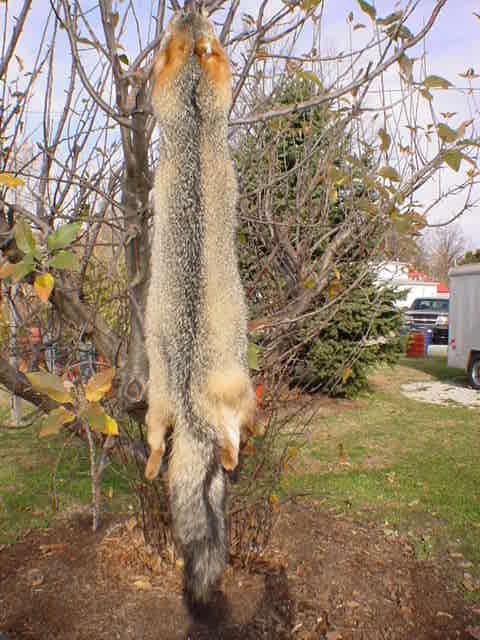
(383, 379)
(325, 577)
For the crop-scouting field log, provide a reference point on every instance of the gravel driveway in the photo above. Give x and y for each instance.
(446, 393)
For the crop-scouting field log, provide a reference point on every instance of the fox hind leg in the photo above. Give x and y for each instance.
(232, 394)
(159, 419)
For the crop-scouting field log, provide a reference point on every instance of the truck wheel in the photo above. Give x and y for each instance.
(474, 372)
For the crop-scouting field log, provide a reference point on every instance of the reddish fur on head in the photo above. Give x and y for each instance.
(171, 59)
(214, 61)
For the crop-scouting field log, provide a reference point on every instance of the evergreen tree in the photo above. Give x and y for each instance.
(304, 187)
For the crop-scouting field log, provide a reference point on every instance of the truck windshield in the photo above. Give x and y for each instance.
(426, 304)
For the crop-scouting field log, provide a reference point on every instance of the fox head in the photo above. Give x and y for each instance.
(190, 47)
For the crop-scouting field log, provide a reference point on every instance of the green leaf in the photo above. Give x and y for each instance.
(55, 420)
(63, 236)
(65, 260)
(24, 237)
(94, 415)
(453, 158)
(310, 76)
(436, 82)
(364, 204)
(390, 173)
(396, 31)
(124, 58)
(310, 282)
(253, 353)
(445, 133)
(23, 268)
(392, 17)
(368, 9)
(50, 385)
(307, 5)
(11, 181)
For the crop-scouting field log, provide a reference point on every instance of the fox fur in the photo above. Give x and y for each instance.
(196, 315)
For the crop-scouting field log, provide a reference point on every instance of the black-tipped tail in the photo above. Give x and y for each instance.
(197, 496)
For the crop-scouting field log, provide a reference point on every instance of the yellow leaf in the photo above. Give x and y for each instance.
(50, 385)
(99, 385)
(334, 289)
(111, 426)
(100, 421)
(346, 375)
(11, 181)
(43, 286)
(333, 196)
(55, 421)
(274, 501)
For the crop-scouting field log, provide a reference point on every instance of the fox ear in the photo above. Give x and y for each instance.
(203, 10)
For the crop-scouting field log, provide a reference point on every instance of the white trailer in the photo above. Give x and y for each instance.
(464, 321)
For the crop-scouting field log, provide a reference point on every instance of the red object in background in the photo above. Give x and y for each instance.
(416, 345)
(418, 275)
(442, 288)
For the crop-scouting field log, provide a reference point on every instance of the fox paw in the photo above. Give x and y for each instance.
(154, 463)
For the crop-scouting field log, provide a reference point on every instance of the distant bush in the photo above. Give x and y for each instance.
(364, 333)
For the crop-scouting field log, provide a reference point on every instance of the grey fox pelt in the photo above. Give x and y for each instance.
(196, 316)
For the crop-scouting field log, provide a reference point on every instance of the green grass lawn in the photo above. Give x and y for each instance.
(413, 465)
(40, 477)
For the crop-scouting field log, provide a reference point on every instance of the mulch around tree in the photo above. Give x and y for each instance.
(325, 577)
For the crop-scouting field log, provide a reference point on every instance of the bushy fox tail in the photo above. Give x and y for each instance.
(197, 499)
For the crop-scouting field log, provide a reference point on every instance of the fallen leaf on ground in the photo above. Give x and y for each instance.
(35, 578)
(48, 549)
(469, 583)
(143, 585)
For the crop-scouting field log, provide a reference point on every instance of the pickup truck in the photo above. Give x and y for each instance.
(431, 316)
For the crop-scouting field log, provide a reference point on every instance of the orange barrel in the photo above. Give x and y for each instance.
(416, 345)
